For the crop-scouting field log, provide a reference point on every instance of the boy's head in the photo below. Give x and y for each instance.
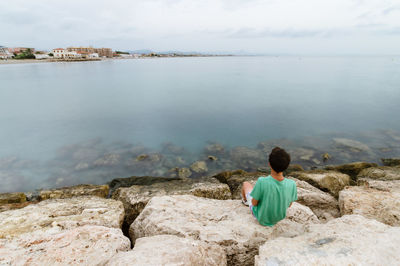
(279, 159)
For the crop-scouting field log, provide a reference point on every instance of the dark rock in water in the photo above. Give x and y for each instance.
(325, 157)
(17, 197)
(142, 157)
(293, 168)
(351, 169)
(75, 191)
(247, 158)
(137, 180)
(390, 161)
(212, 158)
(235, 179)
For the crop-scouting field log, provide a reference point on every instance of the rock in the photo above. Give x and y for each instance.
(215, 148)
(86, 245)
(329, 181)
(247, 158)
(212, 158)
(149, 158)
(184, 173)
(351, 145)
(391, 161)
(235, 179)
(349, 240)
(108, 160)
(390, 185)
(170, 148)
(351, 169)
(135, 198)
(381, 173)
(142, 157)
(293, 168)
(61, 214)
(227, 223)
(383, 206)
(13, 206)
(301, 154)
(7, 198)
(199, 167)
(75, 191)
(323, 204)
(170, 250)
(137, 180)
(325, 157)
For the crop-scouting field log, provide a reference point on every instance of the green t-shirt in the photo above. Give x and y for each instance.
(274, 197)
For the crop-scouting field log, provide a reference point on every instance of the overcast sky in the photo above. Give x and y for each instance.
(252, 26)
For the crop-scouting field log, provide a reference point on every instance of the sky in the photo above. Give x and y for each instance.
(211, 26)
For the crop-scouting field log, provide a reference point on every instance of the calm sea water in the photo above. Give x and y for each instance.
(51, 111)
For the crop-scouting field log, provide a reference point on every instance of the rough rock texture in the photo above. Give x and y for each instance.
(224, 222)
(391, 161)
(349, 240)
(61, 214)
(383, 206)
(329, 181)
(235, 179)
(199, 167)
(7, 198)
(75, 191)
(13, 206)
(170, 250)
(351, 169)
(135, 198)
(137, 180)
(247, 158)
(381, 173)
(323, 204)
(390, 185)
(86, 245)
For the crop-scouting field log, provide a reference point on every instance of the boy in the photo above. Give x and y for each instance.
(272, 195)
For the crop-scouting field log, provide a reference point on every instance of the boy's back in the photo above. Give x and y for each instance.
(274, 197)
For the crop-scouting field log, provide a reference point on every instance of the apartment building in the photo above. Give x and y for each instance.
(86, 51)
(5, 53)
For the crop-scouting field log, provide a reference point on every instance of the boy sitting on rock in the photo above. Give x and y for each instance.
(272, 195)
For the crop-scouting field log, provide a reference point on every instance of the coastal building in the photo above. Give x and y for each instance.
(5, 53)
(61, 53)
(102, 52)
(41, 56)
(19, 50)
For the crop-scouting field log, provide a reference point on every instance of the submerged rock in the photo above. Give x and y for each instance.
(383, 206)
(349, 240)
(7, 198)
(381, 173)
(75, 191)
(391, 161)
(247, 158)
(323, 204)
(329, 181)
(184, 173)
(227, 223)
(86, 245)
(215, 149)
(351, 169)
(61, 214)
(351, 145)
(135, 197)
(170, 250)
(199, 167)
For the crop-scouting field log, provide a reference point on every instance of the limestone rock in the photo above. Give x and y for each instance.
(137, 180)
(329, 181)
(383, 206)
(381, 173)
(135, 198)
(215, 149)
(13, 206)
(351, 145)
(86, 245)
(199, 167)
(61, 214)
(349, 240)
(391, 161)
(235, 179)
(227, 223)
(7, 198)
(184, 173)
(351, 169)
(390, 185)
(170, 250)
(323, 204)
(75, 191)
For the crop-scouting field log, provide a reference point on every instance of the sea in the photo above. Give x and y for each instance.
(67, 123)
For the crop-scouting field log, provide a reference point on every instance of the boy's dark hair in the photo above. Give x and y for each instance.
(279, 159)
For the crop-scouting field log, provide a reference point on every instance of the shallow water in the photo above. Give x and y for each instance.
(68, 123)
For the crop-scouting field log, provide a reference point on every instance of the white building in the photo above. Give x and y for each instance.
(59, 52)
(5, 53)
(62, 53)
(93, 55)
(41, 56)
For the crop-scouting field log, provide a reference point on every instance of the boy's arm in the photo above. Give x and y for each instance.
(254, 202)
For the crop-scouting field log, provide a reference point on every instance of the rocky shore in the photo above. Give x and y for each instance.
(345, 215)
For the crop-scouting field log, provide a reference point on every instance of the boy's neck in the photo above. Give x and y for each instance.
(277, 176)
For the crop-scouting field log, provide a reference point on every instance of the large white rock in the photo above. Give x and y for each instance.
(381, 173)
(170, 250)
(86, 245)
(136, 197)
(330, 181)
(61, 214)
(227, 223)
(323, 204)
(383, 206)
(349, 240)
